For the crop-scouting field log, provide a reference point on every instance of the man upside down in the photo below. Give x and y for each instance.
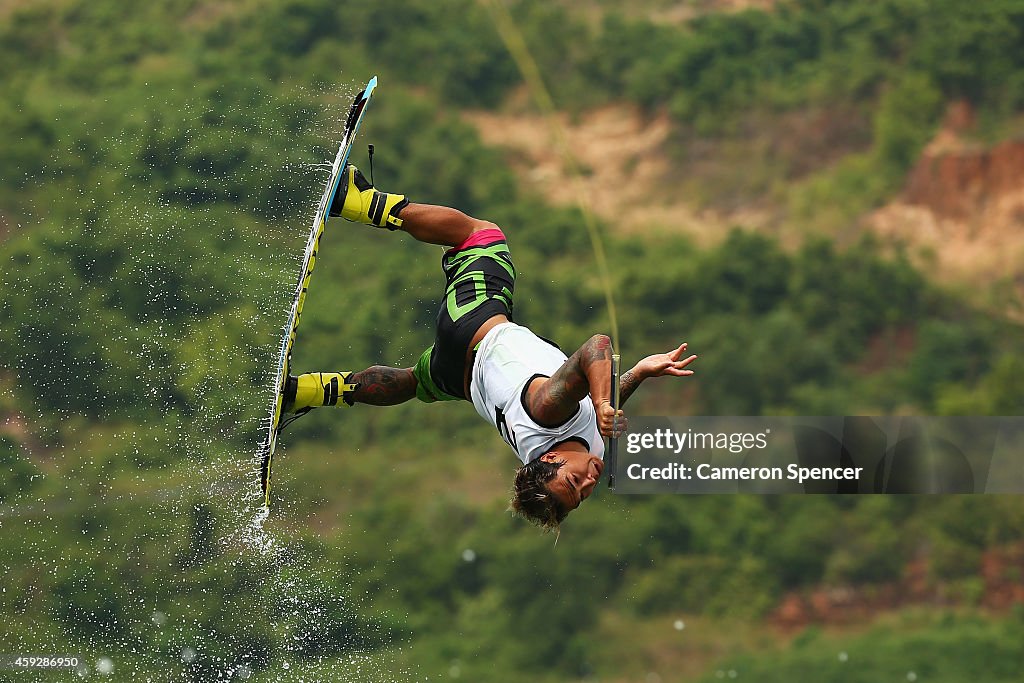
(552, 410)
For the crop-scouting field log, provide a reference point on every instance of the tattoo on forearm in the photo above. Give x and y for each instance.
(384, 386)
(566, 387)
(627, 385)
(570, 384)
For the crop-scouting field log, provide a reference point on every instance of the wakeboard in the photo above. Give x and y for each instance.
(273, 426)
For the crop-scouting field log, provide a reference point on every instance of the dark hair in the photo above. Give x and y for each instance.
(532, 499)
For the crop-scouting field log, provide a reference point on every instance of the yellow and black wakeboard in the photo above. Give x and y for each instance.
(274, 424)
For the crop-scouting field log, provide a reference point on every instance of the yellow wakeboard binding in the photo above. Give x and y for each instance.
(316, 389)
(357, 200)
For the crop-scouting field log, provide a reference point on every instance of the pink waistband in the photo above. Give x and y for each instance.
(485, 236)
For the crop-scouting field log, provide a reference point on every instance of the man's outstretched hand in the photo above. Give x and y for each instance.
(659, 365)
(665, 364)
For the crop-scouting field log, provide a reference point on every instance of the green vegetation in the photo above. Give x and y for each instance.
(156, 181)
(946, 648)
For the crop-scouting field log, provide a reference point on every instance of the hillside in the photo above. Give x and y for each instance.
(963, 207)
(958, 211)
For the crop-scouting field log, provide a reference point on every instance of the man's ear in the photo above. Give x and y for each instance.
(549, 457)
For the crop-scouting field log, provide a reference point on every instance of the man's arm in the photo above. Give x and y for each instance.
(658, 365)
(588, 371)
(384, 386)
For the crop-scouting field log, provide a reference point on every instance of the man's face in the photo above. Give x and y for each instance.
(576, 478)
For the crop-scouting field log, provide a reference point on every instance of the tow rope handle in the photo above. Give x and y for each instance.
(613, 441)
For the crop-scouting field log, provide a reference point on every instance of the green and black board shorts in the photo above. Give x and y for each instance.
(480, 279)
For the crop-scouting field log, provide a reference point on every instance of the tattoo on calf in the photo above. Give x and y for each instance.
(384, 386)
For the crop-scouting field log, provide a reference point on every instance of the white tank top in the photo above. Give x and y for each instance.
(508, 358)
